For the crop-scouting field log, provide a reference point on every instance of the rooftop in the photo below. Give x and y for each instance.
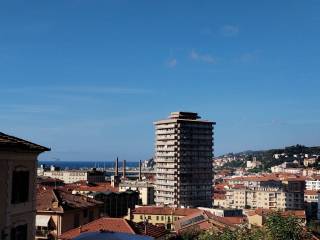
(264, 212)
(165, 211)
(184, 116)
(99, 225)
(49, 199)
(114, 225)
(8, 142)
(96, 187)
(111, 236)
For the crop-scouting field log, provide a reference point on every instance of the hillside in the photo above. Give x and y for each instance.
(267, 157)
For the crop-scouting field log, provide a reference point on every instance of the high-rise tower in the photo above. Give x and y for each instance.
(183, 156)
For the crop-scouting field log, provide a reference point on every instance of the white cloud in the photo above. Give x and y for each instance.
(248, 57)
(172, 63)
(207, 58)
(230, 30)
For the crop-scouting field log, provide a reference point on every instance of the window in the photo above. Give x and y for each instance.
(85, 213)
(149, 217)
(19, 232)
(162, 218)
(91, 215)
(76, 221)
(157, 218)
(141, 217)
(20, 186)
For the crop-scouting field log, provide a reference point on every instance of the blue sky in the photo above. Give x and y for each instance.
(88, 78)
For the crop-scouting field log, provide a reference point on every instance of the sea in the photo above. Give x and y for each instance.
(85, 164)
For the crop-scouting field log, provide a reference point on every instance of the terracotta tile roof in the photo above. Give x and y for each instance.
(220, 186)
(101, 224)
(45, 200)
(219, 196)
(265, 212)
(150, 230)
(11, 142)
(151, 210)
(205, 220)
(98, 187)
(233, 220)
(311, 192)
(45, 180)
(269, 177)
(49, 199)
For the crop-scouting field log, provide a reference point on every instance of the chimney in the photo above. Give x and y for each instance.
(124, 169)
(140, 172)
(116, 169)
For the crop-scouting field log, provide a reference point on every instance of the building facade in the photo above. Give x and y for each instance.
(18, 164)
(59, 211)
(159, 215)
(71, 176)
(145, 189)
(183, 156)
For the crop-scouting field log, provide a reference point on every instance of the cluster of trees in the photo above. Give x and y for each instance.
(276, 227)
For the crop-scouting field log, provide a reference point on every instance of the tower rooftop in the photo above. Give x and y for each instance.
(184, 115)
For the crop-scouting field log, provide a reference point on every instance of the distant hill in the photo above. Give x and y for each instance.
(290, 153)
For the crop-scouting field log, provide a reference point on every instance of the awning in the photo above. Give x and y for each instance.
(42, 220)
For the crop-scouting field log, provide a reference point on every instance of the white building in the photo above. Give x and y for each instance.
(313, 183)
(71, 176)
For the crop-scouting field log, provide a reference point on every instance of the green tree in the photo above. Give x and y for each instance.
(285, 228)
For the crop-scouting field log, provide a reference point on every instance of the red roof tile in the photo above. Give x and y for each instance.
(149, 230)
(46, 197)
(102, 224)
(165, 211)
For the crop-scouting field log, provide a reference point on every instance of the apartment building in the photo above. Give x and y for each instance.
(274, 198)
(115, 203)
(59, 211)
(18, 164)
(311, 203)
(313, 183)
(145, 189)
(183, 156)
(72, 176)
(159, 215)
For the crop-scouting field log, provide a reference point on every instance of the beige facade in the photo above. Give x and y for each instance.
(71, 176)
(18, 164)
(183, 156)
(267, 198)
(145, 189)
(159, 215)
(61, 222)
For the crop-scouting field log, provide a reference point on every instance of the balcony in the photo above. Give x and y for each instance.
(165, 195)
(166, 171)
(171, 183)
(166, 177)
(166, 154)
